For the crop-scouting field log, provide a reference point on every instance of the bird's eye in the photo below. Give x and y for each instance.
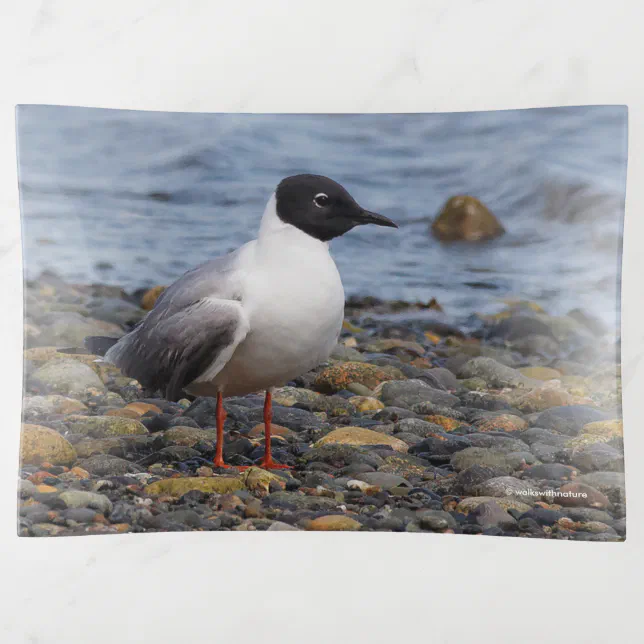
(321, 200)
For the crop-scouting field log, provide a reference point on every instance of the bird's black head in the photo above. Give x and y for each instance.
(322, 208)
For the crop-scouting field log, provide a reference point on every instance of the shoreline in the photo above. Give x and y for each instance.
(509, 426)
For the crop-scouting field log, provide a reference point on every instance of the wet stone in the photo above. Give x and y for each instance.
(407, 393)
(491, 515)
(393, 414)
(418, 427)
(427, 408)
(598, 457)
(470, 478)
(384, 480)
(545, 453)
(479, 456)
(436, 520)
(570, 419)
(551, 472)
(79, 515)
(498, 442)
(107, 465)
(494, 373)
(543, 516)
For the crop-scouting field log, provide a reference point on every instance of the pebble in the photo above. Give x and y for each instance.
(501, 423)
(334, 522)
(490, 514)
(384, 480)
(417, 426)
(551, 472)
(469, 479)
(188, 436)
(498, 442)
(545, 453)
(606, 482)
(479, 456)
(543, 516)
(366, 403)
(468, 504)
(540, 435)
(290, 417)
(79, 515)
(570, 419)
(66, 377)
(446, 423)
(494, 373)
(407, 393)
(340, 376)
(104, 426)
(361, 436)
(296, 500)
(608, 428)
(436, 520)
(107, 465)
(393, 414)
(598, 457)
(178, 486)
(83, 499)
(281, 527)
(46, 530)
(40, 444)
(35, 407)
(580, 494)
(508, 486)
(540, 398)
(540, 373)
(26, 488)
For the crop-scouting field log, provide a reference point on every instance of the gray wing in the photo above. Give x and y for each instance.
(219, 278)
(195, 326)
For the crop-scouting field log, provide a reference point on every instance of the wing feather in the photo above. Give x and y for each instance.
(168, 351)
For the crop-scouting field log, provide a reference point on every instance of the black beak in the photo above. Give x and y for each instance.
(367, 217)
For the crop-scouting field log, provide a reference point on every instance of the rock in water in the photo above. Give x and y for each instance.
(465, 218)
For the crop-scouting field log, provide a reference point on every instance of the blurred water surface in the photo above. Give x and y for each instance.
(137, 198)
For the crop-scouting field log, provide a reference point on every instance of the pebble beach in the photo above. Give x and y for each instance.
(508, 424)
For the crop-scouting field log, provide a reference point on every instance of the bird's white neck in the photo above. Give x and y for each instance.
(272, 228)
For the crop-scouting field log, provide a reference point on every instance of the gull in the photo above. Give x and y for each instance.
(254, 319)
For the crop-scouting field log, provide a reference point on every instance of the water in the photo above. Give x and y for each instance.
(137, 198)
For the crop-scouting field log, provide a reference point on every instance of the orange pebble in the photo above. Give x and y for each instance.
(46, 489)
(38, 477)
(80, 473)
(143, 408)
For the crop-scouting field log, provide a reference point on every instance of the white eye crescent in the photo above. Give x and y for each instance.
(321, 200)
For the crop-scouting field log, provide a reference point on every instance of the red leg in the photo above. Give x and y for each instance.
(267, 462)
(221, 419)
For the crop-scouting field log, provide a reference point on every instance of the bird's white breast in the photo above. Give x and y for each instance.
(294, 300)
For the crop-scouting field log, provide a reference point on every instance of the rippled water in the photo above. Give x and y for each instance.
(137, 198)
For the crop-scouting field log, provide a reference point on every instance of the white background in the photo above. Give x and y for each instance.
(322, 56)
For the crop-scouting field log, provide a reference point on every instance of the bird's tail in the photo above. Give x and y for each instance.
(98, 344)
